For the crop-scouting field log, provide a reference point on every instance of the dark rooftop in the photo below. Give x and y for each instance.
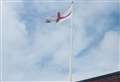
(113, 77)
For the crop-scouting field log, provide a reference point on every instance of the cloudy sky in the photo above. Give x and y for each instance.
(83, 46)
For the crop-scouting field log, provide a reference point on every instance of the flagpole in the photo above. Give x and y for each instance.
(71, 55)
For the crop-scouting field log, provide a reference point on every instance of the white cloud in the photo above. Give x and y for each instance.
(100, 61)
(44, 54)
(22, 60)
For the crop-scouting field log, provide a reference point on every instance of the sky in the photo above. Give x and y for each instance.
(86, 45)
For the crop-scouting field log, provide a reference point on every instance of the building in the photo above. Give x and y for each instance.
(113, 77)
